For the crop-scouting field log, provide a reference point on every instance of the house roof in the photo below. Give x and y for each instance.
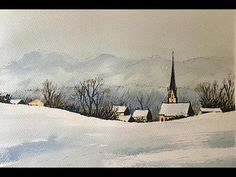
(210, 110)
(119, 108)
(175, 109)
(140, 113)
(15, 101)
(124, 118)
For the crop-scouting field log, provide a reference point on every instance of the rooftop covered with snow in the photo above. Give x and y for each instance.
(175, 109)
(120, 109)
(140, 113)
(210, 110)
(16, 101)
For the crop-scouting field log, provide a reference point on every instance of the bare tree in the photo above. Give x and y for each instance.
(123, 97)
(216, 95)
(106, 111)
(53, 95)
(93, 99)
(144, 100)
(228, 97)
(87, 92)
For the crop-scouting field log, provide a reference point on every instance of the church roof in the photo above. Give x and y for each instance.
(175, 109)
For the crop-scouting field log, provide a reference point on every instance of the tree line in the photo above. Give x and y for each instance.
(92, 98)
(217, 95)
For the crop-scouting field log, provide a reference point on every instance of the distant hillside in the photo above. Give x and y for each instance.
(153, 72)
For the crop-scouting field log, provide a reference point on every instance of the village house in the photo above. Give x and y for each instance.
(123, 113)
(121, 110)
(36, 102)
(126, 118)
(142, 116)
(174, 109)
(17, 101)
(209, 110)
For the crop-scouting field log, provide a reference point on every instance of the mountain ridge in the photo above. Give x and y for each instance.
(34, 67)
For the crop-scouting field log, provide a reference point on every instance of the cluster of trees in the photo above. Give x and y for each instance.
(215, 95)
(5, 98)
(53, 95)
(90, 98)
(94, 99)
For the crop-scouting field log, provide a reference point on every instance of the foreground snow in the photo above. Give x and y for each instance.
(40, 136)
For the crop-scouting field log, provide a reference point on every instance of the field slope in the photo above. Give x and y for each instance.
(40, 136)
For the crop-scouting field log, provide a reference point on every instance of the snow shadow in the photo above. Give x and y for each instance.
(143, 145)
(225, 139)
(15, 153)
(230, 162)
(222, 139)
(146, 149)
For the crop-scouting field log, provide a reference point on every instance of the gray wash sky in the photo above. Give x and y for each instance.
(125, 33)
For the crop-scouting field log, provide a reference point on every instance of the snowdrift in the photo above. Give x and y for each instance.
(44, 137)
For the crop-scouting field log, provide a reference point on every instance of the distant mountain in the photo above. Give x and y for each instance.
(33, 68)
(155, 71)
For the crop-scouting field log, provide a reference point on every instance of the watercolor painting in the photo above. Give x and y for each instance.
(117, 88)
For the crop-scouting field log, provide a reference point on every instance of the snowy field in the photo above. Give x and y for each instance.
(40, 136)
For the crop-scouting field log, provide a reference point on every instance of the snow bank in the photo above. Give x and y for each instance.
(40, 136)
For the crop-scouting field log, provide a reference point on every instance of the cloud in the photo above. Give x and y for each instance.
(131, 34)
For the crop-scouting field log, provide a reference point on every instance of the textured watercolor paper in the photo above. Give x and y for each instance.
(117, 88)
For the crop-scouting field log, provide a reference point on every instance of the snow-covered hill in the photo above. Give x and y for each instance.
(40, 136)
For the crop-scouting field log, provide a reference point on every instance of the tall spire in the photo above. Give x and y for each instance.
(172, 80)
(172, 91)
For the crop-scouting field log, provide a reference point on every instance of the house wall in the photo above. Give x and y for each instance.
(163, 118)
(36, 104)
(190, 111)
(141, 119)
(131, 119)
(205, 112)
(149, 117)
(120, 114)
(127, 112)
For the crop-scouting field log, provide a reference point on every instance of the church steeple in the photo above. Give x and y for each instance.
(172, 90)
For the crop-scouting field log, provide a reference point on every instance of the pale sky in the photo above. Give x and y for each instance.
(124, 33)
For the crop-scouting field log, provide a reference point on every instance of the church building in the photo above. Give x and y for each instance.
(173, 109)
